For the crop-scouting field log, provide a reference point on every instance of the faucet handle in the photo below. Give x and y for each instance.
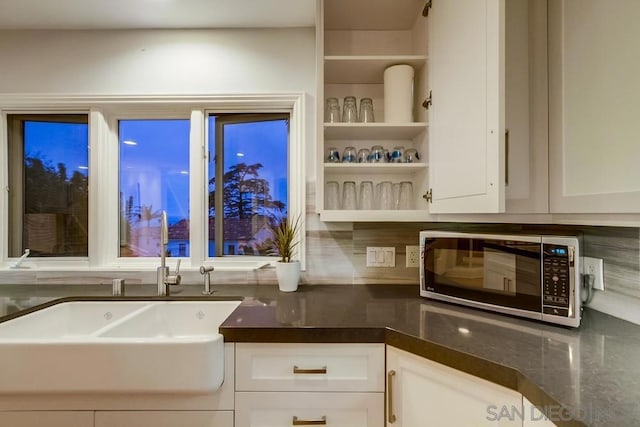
(178, 267)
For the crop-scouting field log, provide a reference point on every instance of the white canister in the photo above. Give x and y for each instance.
(398, 94)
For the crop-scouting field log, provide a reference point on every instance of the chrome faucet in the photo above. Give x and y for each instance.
(206, 272)
(164, 278)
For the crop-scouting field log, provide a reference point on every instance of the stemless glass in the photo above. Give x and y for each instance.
(395, 190)
(366, 110)
(411, 155)
(332, 111)
(365, 197)
(377, 154)
(363, 155)
(333, 156)
(349, 195)
(406, 195)
(349, 110)
(349, 155)
(332, 198)
(397, 154)
(385, 196)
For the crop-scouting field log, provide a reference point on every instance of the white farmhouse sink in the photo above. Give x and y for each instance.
(115, 347)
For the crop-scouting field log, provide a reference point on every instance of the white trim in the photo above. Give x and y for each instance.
(104, 110)
(620, 306)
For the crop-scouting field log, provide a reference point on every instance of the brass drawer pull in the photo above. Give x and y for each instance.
(390, 375)
(298, 422)
(297, 370)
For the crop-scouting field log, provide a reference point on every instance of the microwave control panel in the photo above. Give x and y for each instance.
(556, 275)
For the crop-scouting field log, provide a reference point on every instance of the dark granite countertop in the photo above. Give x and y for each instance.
(592, 372)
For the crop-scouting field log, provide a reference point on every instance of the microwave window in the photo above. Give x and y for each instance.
(493, 271)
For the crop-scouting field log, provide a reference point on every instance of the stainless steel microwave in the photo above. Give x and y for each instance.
(532, 276)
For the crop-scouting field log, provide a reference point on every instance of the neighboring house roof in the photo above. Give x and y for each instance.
(245, 229)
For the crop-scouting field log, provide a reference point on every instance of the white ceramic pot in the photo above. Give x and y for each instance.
(288, 274)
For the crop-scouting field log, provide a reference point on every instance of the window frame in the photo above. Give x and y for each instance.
(221, 121)
(104, 113)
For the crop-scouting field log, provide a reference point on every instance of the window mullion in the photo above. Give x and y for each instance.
(198, 188)
(219, 200)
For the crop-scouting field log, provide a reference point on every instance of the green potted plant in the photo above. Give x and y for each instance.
(284, 240)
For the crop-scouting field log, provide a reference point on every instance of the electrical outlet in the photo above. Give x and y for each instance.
(595, 267)
(413, 257)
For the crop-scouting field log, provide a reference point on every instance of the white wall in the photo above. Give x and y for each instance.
(157, 61)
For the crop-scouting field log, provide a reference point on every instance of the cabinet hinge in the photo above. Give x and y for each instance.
(427, 6)
(428, 196)
(427, 102)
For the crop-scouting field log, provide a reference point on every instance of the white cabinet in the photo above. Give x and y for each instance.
(594, 63)
(281, 409)
(466, 126)
(47, 418)
(164, 418)
(461, 146)
(419, 389)
(309, 384)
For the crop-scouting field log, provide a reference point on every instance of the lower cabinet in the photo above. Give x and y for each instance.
(164, 418)
(275, 409)
(282, 385)
(421, 391)
(46, 418)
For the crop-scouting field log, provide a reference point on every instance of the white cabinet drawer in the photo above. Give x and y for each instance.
(309, 367)
(275, 409)
(46, 418)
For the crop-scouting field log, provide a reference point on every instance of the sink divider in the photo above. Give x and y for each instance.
(124, 319)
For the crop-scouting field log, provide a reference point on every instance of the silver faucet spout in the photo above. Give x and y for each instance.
(163, 274)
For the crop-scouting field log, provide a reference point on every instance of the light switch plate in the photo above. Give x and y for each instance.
(381, 256)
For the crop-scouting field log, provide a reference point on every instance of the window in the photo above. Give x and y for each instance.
(89, 187)
(154, 176)
(48, 159)
(253, 149)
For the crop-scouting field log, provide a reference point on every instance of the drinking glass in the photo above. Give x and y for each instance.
(366, 110)
(385, 196)
(332, 111)
(349, 155)
(395, 190)
(349, 110)
(365, 198)
(397, 154)
(406, 196)
(377, 154)
(411, 155)
(333, 156)
(363, 155)
(332, 198)
(349, 195)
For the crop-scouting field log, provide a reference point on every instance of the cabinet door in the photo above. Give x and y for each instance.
(419, 389)
(47, 418)
(164, 418)
(594, 63)
(282, 409)
(466, 119)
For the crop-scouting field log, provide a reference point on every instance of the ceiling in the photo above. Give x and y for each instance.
(135, 14)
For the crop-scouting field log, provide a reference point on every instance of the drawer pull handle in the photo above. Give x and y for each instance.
(390, 375)
(297, 370)
(298, 422)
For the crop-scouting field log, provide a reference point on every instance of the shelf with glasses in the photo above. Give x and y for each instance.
(377, 168)
(373, 131)
(413, 215)
(365, 69)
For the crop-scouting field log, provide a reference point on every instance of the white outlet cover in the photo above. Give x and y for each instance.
(412, 256)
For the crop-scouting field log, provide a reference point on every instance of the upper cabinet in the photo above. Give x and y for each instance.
(459, 135)
(467, 125)
(594, 63)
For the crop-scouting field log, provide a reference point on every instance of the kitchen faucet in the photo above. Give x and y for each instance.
(164, 278)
